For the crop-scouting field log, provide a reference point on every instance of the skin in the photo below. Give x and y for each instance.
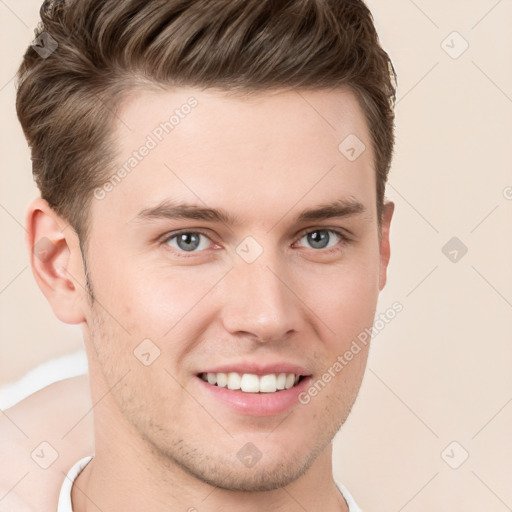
(263, 159)
(58, 414)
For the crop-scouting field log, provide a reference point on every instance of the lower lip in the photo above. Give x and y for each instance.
(257, 404)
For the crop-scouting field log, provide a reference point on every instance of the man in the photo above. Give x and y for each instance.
(212, 214)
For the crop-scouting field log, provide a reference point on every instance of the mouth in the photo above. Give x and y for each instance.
(256, 394)
(252, 383)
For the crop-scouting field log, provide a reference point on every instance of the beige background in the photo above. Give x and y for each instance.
(438, 373)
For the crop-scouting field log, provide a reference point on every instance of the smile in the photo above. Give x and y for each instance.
(252, 383)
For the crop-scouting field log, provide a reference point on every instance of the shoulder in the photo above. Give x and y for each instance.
(41, 438)
(11, 502)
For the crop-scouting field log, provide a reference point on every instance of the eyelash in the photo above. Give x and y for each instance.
(344, 240)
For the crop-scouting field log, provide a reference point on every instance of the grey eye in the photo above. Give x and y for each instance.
(189, 241)
(321, 238)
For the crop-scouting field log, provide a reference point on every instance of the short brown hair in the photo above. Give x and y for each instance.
(67, 102)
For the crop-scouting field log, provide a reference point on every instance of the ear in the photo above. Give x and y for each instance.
(384, 248)
(56, 261)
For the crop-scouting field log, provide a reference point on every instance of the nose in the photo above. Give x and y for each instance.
(259, 301)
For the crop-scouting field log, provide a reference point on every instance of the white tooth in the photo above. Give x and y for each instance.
(290, 380)
(250, 383)
(234, 380)
(268, 383)
(281, 381)
(222, 380)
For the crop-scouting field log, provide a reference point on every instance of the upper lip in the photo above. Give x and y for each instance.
(259, 368)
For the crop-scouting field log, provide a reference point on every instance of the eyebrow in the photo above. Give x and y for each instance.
(169, 209)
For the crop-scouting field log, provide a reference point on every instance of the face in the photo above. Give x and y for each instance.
(215, 252)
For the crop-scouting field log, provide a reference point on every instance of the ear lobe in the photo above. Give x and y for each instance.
(53, 257)
(384, 246)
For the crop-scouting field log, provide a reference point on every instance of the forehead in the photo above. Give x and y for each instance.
(190, 113)
(270, 148)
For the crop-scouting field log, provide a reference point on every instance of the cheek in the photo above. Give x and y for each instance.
(346, 300)
(153, 299)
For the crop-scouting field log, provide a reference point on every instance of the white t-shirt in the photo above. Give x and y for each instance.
(65, 491)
